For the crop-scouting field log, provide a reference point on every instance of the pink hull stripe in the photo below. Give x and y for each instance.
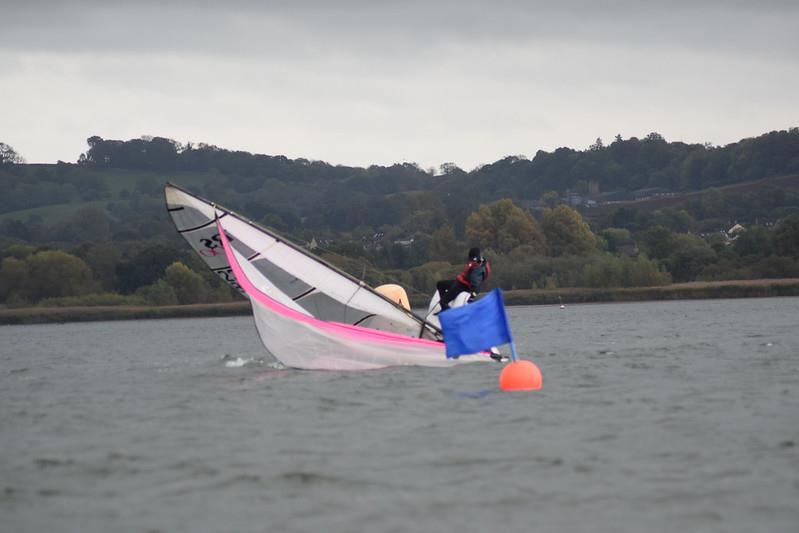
(335, 328)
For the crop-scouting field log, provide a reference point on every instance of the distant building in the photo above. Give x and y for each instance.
(322, 243)
(404, 242)
(573, 199)
(651, 192)
(734, 231)
(373, 242)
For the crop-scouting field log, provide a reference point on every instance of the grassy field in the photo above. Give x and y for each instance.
(50, 214)
(117, 180)
(680, 200)
(679, 291)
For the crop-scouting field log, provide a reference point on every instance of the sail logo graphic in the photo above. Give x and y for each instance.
(227, 275)
(213, 245)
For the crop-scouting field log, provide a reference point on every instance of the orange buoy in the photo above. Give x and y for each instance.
(520, 375)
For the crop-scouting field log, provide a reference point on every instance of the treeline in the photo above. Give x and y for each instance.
(632, 164)
(558, 249)
(102, 220)
(624, 164)
(99, 274)
(303, 194)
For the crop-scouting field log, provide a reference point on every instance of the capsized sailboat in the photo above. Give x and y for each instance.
(308, 313)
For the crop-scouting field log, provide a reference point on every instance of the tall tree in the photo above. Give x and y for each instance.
(13, 278)
(616, 239)
(502, 226)
(145, 267)
(754, 241)
(566, 232)
(786, 236)
(102, 259)
(188, 285)
(443, 242)
(689, 256)
(657, 242)
(9, 156)
(550, 199)
(53, 273)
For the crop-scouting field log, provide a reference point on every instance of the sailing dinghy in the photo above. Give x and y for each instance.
(308, 313)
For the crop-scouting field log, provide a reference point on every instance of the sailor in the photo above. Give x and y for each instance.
(471, 279)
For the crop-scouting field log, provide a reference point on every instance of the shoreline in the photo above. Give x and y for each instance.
(57, 315)
(693, 290)
(696, 290)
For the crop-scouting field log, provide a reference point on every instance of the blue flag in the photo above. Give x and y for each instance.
(476, 327)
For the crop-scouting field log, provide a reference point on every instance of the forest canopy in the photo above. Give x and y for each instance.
(625, 213)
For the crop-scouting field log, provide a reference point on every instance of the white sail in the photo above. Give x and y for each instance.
(286, 272)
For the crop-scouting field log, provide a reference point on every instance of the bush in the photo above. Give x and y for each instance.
(189, 286)
(608, 271)
(520, 269)
(776, 267)
(643, 272)
(45, 274)
(222, 293)
(158, 293)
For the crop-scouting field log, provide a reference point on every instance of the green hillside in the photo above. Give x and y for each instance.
(631, 213)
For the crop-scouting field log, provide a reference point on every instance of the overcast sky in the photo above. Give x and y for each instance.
(363, 82)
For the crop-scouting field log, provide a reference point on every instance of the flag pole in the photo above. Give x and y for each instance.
(514, 356)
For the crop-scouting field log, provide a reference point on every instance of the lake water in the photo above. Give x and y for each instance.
(662, 417)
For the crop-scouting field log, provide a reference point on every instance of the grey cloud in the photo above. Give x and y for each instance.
(363, 81)
(297, 29)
